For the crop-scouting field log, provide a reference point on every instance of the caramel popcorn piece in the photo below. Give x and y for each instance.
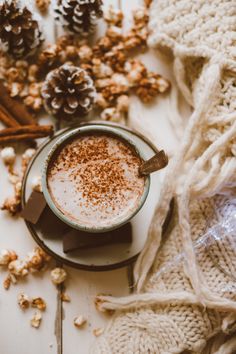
(85, 53)
(15, 88)
(39, 303)
(114, 33)
(120, 80)
(101, 101)
(150, 86)
(18, 268)
(10, 279)
(36, 319)
(80, 321)
(140, 16)
(23, 301)
(135, 70)
(33, 72)
(114, 16)
(37, 260)
(7, 282)
(36, 184)
(101, 70)
(58, 275)
(8, 156)
(98, 331)
(13, 278)
(13, 204)
(7, 256)
(123, 103)
(42, 5)
(98, 303)
(49, 56)
(26, 157)
(65, 297)
(17, 74)
(112, 114)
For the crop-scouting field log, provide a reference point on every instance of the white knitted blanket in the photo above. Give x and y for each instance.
(183, 306)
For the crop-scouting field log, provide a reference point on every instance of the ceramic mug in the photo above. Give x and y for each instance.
(66, 138)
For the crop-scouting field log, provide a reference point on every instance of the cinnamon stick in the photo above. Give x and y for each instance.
(15, 108)
(21, 137)
(7, 119)
(27, 129)
(13, 135)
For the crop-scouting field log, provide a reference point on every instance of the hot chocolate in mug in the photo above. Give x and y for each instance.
(91, 178)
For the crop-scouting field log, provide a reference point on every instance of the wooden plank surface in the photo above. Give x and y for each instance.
(57, 334)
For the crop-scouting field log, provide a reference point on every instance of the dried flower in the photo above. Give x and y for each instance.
(23, 301)
(36, 319)
(7, 256)
(80, 321)
(39, 303)
(58, 275)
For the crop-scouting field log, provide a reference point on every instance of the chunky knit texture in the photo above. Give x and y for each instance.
(181, 307)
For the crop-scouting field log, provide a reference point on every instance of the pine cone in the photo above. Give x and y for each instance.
(79, 16)
(18, 30)
(68, 92)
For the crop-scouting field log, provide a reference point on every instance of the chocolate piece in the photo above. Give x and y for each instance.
(75, 239)
(34, 207)
(51, 226)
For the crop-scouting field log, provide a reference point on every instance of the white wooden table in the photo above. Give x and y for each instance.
(57, 333)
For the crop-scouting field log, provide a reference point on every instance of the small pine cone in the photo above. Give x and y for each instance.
(79, 16)
(68, 92)
(18, 30)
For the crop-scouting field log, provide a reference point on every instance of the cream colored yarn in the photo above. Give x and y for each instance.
(167, 317)
(188, 306)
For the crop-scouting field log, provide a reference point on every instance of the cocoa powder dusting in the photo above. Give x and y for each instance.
(96, 178)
